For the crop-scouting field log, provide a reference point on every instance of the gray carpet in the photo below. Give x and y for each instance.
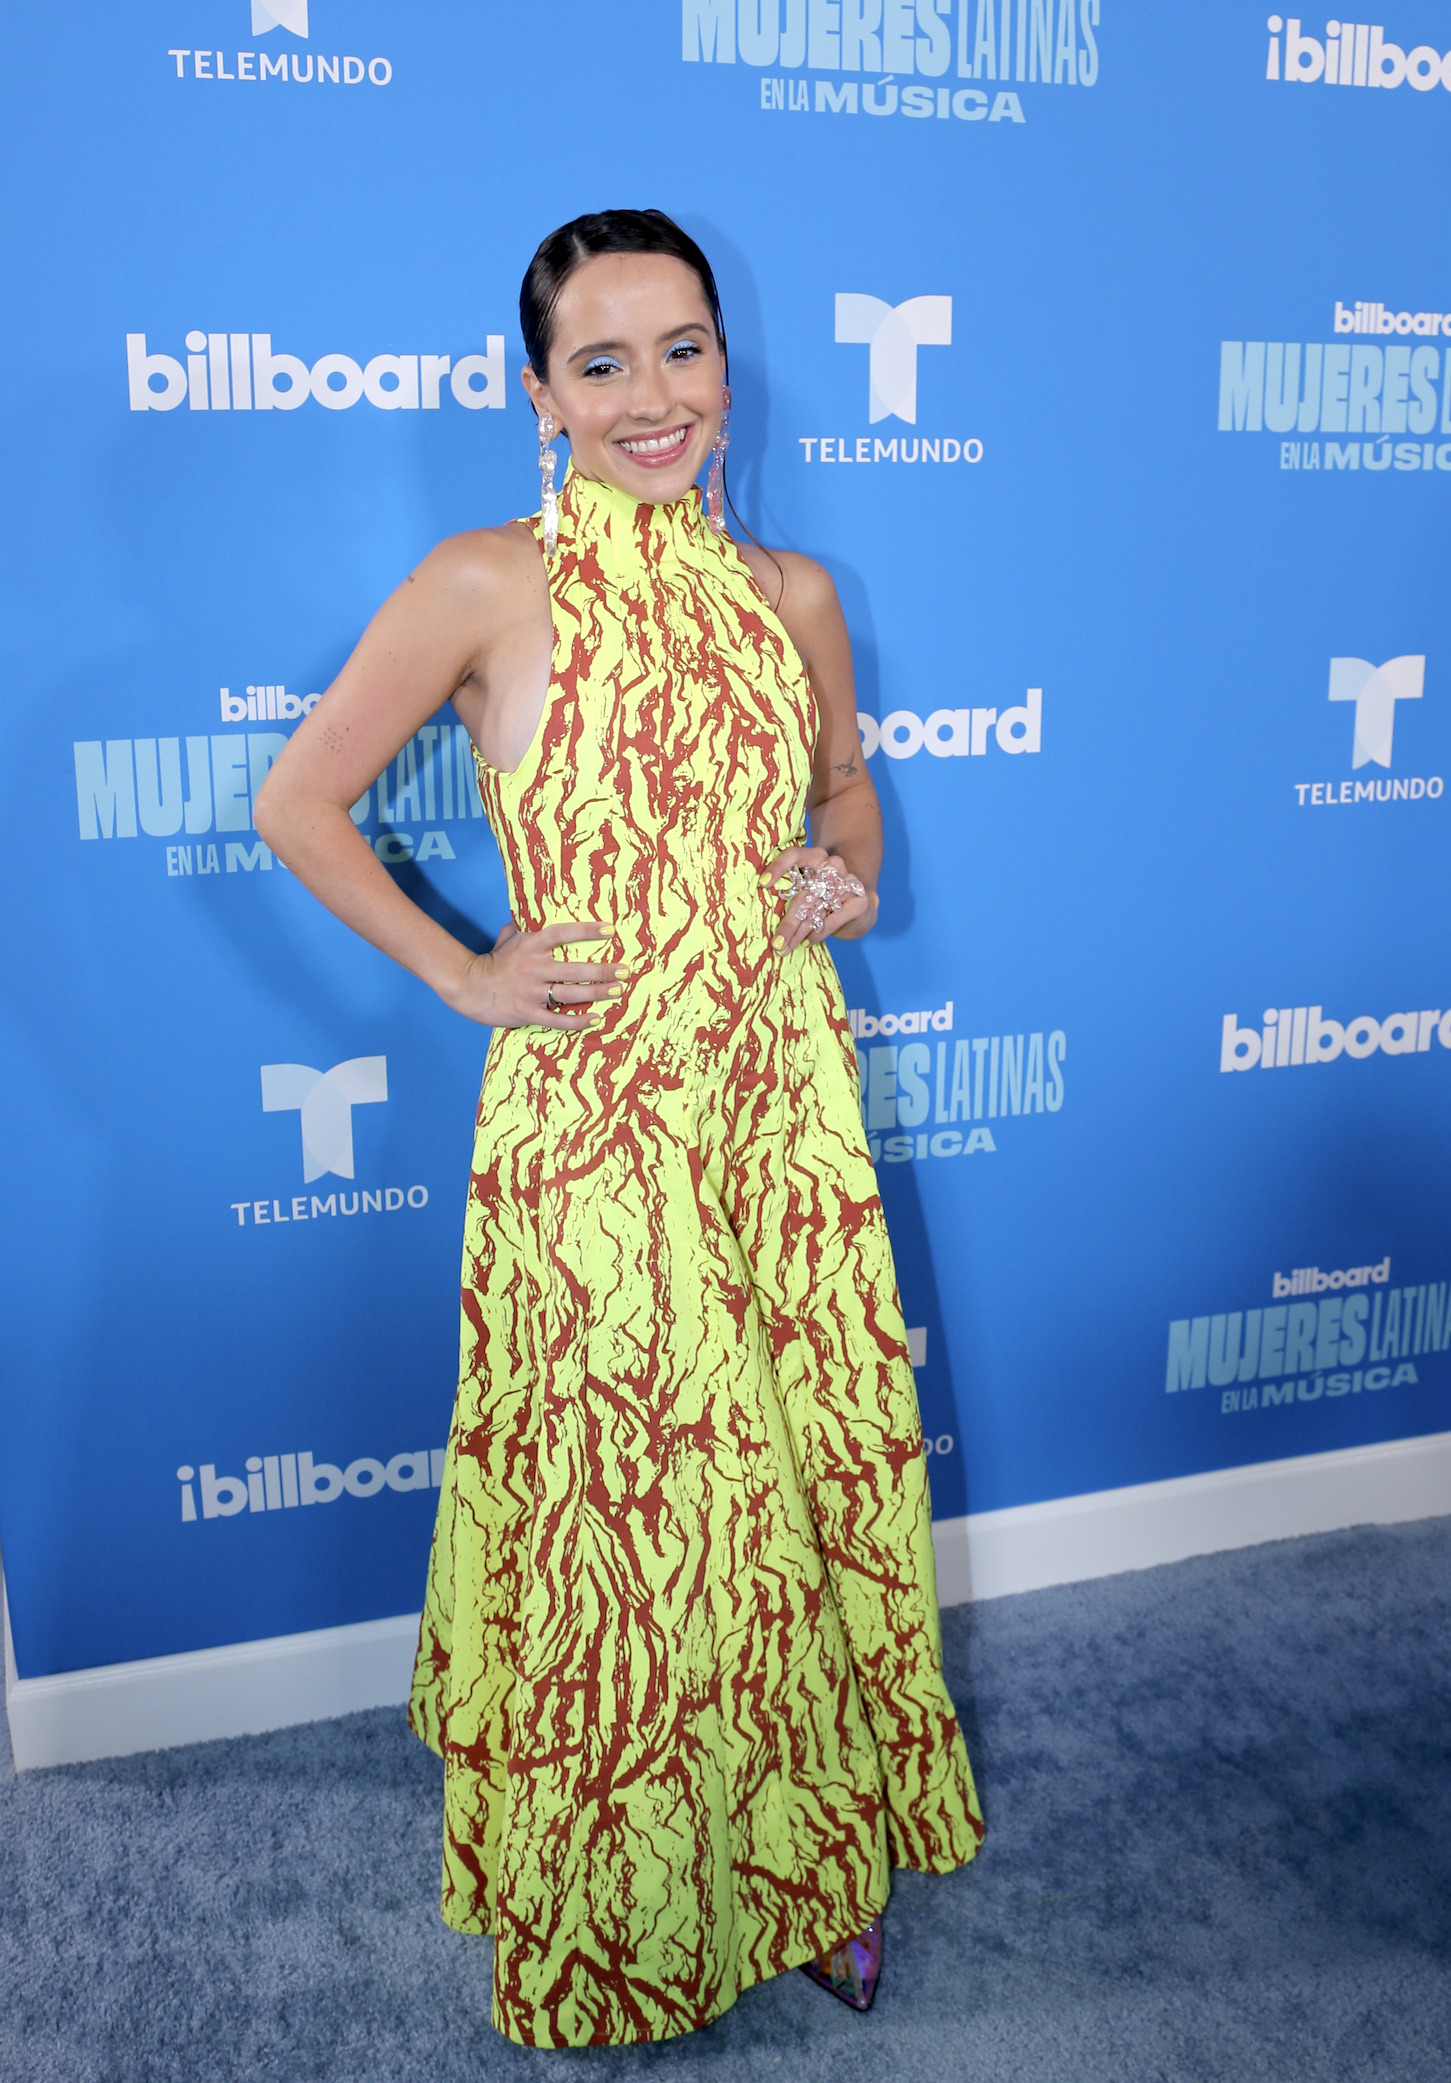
(1219, 1846)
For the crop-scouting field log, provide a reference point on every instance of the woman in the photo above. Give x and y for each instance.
(680, 1650)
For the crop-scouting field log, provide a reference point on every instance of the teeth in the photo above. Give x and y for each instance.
(655, 444)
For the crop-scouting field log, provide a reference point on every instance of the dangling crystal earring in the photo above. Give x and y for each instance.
(715, 481)
(549, 499)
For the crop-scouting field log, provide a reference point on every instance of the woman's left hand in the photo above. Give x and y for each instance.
(853, 908)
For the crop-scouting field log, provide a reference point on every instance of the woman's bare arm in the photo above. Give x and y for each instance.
(457, 628)
(846, 819)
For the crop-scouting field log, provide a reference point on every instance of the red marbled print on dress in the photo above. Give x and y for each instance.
(680, 1651)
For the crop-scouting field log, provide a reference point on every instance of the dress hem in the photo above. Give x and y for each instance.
(675, 2032)
(709, 2017)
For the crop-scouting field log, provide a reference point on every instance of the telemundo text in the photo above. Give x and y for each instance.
(257, 66)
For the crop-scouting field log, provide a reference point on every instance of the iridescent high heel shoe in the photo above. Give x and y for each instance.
(853, 1970)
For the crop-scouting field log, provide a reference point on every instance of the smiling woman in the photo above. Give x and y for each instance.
(594, 387)
(680, 1647)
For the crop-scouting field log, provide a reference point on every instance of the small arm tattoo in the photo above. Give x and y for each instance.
(333, 738)
(846, 766)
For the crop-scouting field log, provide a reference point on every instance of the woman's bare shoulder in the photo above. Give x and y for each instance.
(799, 589)
(493, 565)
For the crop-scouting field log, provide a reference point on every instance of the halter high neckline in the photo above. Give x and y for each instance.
(591, 503)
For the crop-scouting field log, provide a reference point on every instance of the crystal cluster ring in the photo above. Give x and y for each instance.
(820, 892)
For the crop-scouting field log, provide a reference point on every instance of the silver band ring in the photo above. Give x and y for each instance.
(551, 1003)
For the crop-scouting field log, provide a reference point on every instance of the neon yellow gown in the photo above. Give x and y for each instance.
(680, 1652)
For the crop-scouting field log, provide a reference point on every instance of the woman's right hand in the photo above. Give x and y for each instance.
(512, 985)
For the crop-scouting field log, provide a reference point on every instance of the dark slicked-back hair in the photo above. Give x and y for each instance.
(584, 238)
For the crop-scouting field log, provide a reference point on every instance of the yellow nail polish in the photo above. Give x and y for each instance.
(778, 942)
(617, 990)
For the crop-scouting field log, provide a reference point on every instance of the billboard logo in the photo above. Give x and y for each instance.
(865, 1025)
(279, 14)
(285, 1482)
(955, 733)
(1375, 318)
(325, 1099)
(893, 333)
(238, 372)
(1375, 690)
(1299, 1034)
(1354, 54)
(1310, 1280)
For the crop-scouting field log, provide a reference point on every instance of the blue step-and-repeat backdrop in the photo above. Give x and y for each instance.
(1101, 350)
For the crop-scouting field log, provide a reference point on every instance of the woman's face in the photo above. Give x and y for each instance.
(635, 373)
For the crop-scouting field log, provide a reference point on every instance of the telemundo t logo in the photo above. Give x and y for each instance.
(279, 14)
(893, 333)
(238, 372)
(325, 1100)
(1375, 691)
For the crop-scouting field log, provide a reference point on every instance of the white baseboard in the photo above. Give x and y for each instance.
(240, 1690)
(253, 1686)
(1030, 1546)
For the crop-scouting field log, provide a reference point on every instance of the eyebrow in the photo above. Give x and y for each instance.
(674, 332)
